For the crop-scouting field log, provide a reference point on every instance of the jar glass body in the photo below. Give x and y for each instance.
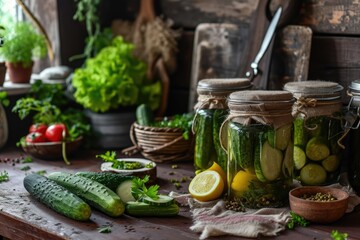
(317, 155)
(260, 164)
(207, 143)
(353, 167)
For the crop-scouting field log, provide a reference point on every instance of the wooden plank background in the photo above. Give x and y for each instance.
(334, 23)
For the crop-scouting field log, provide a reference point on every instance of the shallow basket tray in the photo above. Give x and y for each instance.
(160, 144)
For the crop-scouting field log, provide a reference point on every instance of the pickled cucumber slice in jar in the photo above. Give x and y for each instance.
(299, 158)
(331, 163)
(317, 149)
(313, 174)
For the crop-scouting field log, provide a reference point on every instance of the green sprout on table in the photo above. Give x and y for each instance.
(104, 229)
(4, 176)
(297, 220)
(27, 160)
(336, 235)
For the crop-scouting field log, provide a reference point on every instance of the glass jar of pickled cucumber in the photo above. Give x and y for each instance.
(317, 130)
(259, 146)
(211, 110)
(353, 125)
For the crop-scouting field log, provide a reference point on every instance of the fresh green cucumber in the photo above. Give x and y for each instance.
(163, 200)
(144, 115)
(204, 147)
(109, 179)
(57, 197)
(219, 117)
(141, 209)
(95, 193)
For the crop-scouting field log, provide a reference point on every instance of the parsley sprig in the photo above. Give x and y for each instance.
(336, 235)
(297, 220)
(140, 191)
(111, 157)
(4, 176)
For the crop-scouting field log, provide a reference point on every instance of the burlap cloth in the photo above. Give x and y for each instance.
(213, 219)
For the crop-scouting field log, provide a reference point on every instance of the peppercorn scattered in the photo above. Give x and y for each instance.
(234, 205)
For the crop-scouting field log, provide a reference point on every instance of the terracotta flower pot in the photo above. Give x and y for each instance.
(2, 73)
(18, 73)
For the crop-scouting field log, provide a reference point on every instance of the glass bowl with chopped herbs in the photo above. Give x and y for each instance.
(319, 204)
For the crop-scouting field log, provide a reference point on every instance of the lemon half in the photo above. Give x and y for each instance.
(206, 186)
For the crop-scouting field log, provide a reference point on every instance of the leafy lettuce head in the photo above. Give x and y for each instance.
(114, 78)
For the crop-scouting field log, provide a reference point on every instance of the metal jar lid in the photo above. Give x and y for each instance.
(320, 90)
(222, 86)
(355, 87)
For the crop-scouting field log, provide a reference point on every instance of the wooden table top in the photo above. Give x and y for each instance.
(23, 217)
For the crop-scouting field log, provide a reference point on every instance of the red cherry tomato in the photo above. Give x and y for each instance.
(35, 137)
(55, 132)
(38, 127)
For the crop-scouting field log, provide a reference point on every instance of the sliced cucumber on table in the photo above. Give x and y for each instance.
(141, 209)
(163, 200)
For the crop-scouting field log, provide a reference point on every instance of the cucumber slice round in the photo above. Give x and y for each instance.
(313, 174)
(124, 191)
(331, 163)
(163, 200)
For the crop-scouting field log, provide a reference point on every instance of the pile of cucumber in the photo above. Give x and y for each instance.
(317, 156)
(73, 195)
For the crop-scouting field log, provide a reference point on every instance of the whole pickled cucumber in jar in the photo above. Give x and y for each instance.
(317, 130)
(211, 110)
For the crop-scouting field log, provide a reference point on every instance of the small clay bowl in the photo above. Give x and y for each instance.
(51, 150)
(140, 172)
(317, 211)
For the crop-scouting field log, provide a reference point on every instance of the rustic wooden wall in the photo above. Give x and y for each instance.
(334, 23)
(46, 13)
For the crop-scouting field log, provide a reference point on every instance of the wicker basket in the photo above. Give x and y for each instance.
(160, 144)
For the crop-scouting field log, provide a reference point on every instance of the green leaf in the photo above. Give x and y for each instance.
(27, 160)
(336, 235)
(140, 191)
(297, 220)
(4, 176)
(114, 78)
(22, 43)
(104, 229)
(25, 168)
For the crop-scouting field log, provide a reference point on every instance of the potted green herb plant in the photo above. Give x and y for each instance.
(115, 83)
(22, 44)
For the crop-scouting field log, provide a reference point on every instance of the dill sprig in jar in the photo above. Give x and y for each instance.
(259, 146)
(317, 131)
(210, 111)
